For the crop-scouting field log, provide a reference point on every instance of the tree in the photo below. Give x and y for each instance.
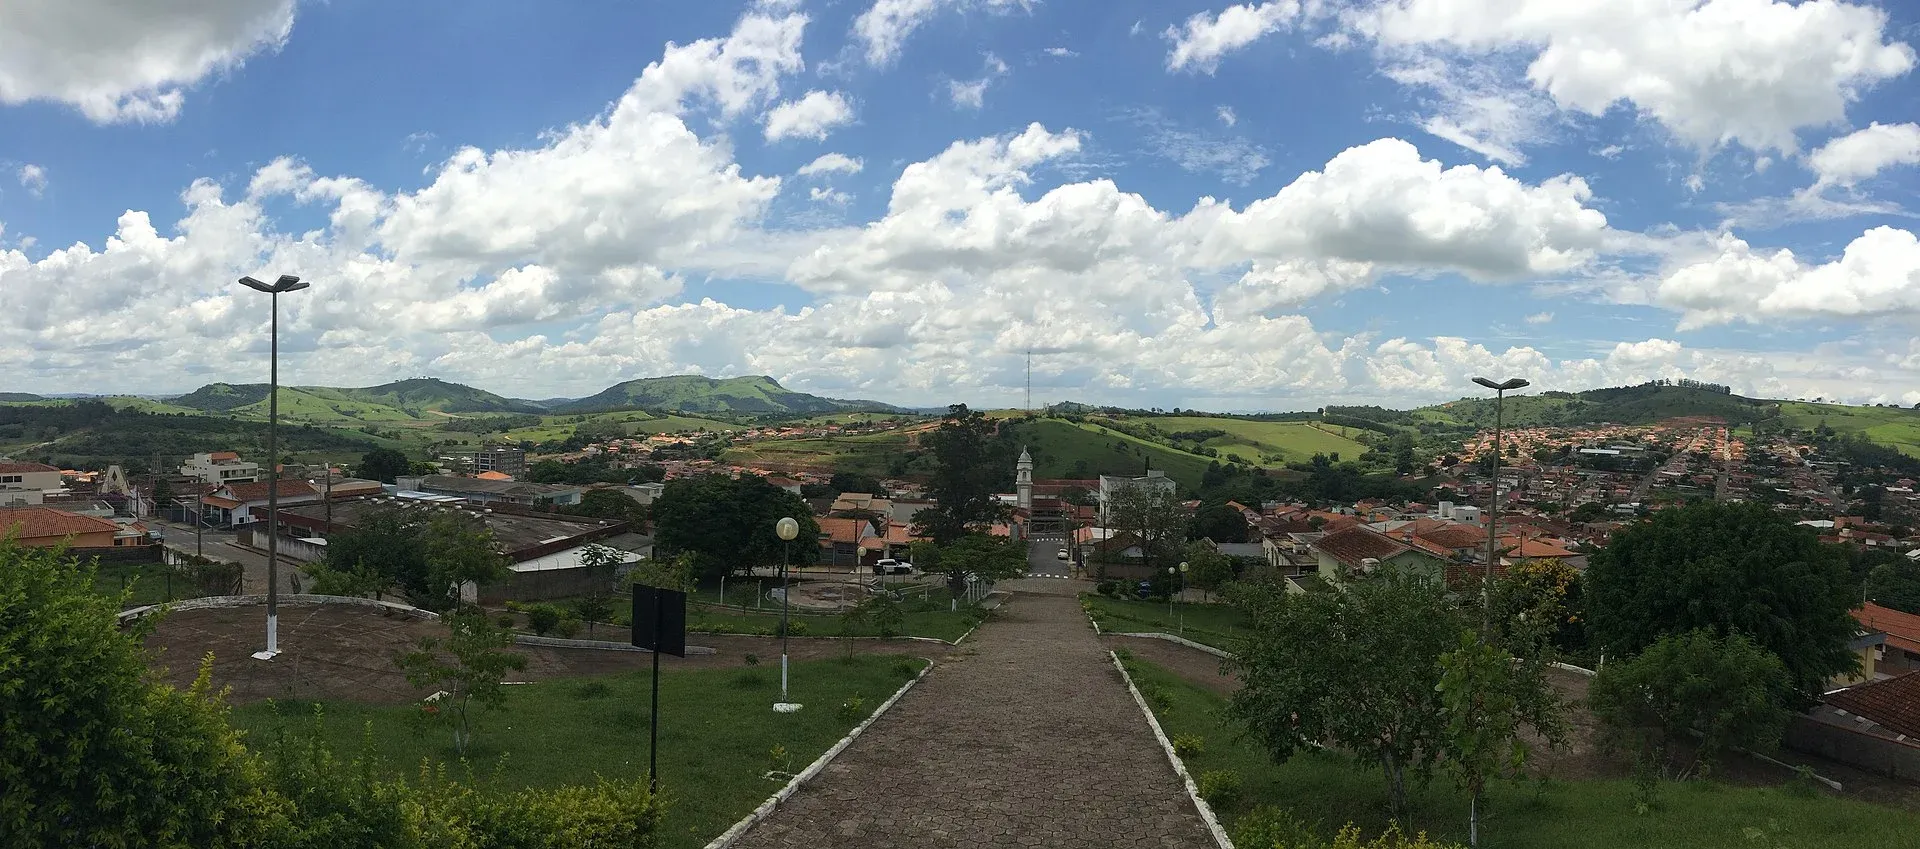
(856, 482)
(608, 504)
(1487, 696)
(384, 548)
(1207, 568)
(91, 752)
(1592, 511)
(383, 465)
(1219, 523)
(593, 607)
(1895, 584)
(966, 475)
(459, 551)
(985, 557)
(1730, 568)
(727, 524)
(467, 667)
(1357, 669)
(1153, 514)
(1728, 689)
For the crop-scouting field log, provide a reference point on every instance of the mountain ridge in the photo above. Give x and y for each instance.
(689, 393)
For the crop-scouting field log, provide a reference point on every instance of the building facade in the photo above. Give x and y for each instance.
(27, 484)
(220, 468)
(1111, 485)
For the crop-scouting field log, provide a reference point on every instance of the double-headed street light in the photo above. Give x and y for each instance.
(786, 529)
(1493, 510)
(286, 283)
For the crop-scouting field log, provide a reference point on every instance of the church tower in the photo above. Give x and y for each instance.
(1023, 479)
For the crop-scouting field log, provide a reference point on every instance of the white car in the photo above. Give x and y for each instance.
(890, 566)
(1060, 555)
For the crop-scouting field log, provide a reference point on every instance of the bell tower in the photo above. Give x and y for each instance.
(1023, 479)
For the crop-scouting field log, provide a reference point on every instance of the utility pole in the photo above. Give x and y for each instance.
(1029, 380)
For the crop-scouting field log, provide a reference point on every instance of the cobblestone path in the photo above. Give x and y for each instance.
(1024, 736)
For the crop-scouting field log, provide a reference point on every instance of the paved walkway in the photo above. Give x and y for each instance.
(1026, 736)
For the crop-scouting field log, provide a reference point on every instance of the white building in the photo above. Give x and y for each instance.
(28, 484)
(221, 468)
(1111, 485)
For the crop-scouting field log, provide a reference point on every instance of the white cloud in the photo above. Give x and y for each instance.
(1231, 158)
(1061, 52)
(1877, 275)
(1540, 318)
(1611, 151)
(1206, 38)
(33, 178)
(967, 95)
(810, 117)
(1226, 115)
(1864, 153)
(1713, 72)
(831, 163)
(834, 197)
(885, 26)
(129, 62)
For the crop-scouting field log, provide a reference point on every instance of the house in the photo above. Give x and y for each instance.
(862, 503)
(1873, 726)
(1901, 652)
(486, 491)
(26, 484)
(840, 541)
(337, 488)
(1361, 549)
(1111, 485)
(508, 460)
(493, 476)
(788, 484)
(893, 543)
(245, 503)
(45, 527)
(220, 467)
(1515, 551)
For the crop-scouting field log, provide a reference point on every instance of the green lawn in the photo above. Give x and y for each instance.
(1251, 440)
(1217, 625)
(717, 729)
(867, 453)
(1890, 426)
(150, 583)
(1328, 790)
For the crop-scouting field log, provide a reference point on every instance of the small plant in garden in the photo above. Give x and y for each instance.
(542, 618)
(779, 760)
(1188, 745)
(905, 668)
(751, 659)
(567, 628)
(469, 671)
(853, 709)
(505, 621)
(1268, 827)
(1124, 655)
(1157, 698)
(1220, 787)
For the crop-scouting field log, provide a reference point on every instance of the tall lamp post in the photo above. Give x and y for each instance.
(1493, 509)
(286, 283)
(786, 529)
(1177, 578)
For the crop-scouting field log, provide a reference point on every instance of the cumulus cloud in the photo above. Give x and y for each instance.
(1877, 275)
(1205, 38)
(129, 62)
(810, 117)
(885, 26)
(1713, 72)
(33, 178)
(1864, 153)
(831, 163)
(1540, 318)
(1226, 115)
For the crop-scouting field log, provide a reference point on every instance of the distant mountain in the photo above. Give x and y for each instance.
(398, 401)
(1643, 404)
(423, 394)
(20, 396)
(222, 397)
(688, 393)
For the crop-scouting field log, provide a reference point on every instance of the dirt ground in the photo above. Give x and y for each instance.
(345, 652)
(1581, 756)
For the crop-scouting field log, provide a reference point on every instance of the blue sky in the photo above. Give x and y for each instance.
(1202, 204)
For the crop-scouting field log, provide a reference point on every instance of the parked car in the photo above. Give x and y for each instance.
(890, 566)
(1060, 555)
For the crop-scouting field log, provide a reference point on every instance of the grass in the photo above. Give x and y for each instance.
(1890, 426)
(148, 581)
(554, 428)
(1217, 625)
(716, 732)
(867, 453)
(1253, 441)
(1329, 790)
(1064, 449)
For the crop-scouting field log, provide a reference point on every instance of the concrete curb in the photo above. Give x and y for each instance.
(1580, 670)
(221, 601)
(935, 640)
(739, 829)
(1156, 635)
(1193, 790)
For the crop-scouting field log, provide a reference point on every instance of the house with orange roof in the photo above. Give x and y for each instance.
(493, 476)
(246, 503)
(45, 527)
(840, 541)
(1900, 653)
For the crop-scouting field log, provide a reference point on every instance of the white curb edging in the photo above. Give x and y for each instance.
(1193, 790)
(1156, 635)
(219, 601)
(739, 829)
(1579, 670)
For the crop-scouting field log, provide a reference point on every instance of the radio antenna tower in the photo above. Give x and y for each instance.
(1029, 380)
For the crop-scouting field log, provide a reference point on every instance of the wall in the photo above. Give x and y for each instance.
(292, 548)
(549, 583)
(1874, 754)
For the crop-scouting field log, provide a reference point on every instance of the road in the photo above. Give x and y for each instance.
(1043, 559)
(220, 545)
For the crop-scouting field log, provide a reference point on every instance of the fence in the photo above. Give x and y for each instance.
(1854, 748)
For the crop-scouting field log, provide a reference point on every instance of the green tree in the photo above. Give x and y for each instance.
(1358, 669)
(1895, 584)
(983, 556)
(1219, 523)
(1731, 568)
(1487, 697)
(856, 482)
(383, 465)
(1207, 568)
(1729, 690)
(593, 607)
(727, 524)
(608, 504)
(92, 753)
(467, 666)
(459, 550)
(966, 475)
(1152, 514)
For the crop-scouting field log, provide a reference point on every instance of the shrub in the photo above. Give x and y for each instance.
(1220, 787)
(795, 628)
(905, 668)
(853, 709)
(515, 606)
(1188, 745)
(542, 618)
(1268, 827)
(751, 659)
(1157, 697)
(779, 759)
(567, 628)
(505, 621)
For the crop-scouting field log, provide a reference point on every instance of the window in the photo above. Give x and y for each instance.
(10, 478)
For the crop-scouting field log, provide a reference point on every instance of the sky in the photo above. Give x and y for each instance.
(1168, 203)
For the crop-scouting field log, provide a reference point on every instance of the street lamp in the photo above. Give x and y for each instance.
(286, 283)
(1176, 576)
(1493, 510)
(786, 529)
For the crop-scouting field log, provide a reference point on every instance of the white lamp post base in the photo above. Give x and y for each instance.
(785, 707)
(264, 655)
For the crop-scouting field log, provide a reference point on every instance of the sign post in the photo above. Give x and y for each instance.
(659, 626)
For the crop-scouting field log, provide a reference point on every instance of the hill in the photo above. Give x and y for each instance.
(689, 393)
(1066, 449)
(221, 397)
(1643, 404)
(19, 396)
(428, 394)
(1894, 427)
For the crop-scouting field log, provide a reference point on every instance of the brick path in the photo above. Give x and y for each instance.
(1025, 736)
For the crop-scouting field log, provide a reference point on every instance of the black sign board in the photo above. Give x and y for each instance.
(660, 620)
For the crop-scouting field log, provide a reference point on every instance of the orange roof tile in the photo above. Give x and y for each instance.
(1893, 703)
(26, 468)
(1902, 629)
(46, 522)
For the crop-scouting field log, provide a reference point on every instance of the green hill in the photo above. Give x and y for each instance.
(427, 394)
(19, 396)
(1894, 427)
(688, 393)
(221, 397)
(1643, 404)
(1262, 443)
(418, 399)
(1064, 449)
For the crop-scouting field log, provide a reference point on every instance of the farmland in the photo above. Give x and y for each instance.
(1890, 426)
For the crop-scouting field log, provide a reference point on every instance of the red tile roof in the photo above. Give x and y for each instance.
(217, 456)
(1455, 537)
(1352, 545)
(26, 468)
(257, 491)
(1902, 629)
(1893, 703)
(45, 522)
(845, 530)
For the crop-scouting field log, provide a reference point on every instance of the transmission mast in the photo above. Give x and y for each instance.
(1029, 380)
